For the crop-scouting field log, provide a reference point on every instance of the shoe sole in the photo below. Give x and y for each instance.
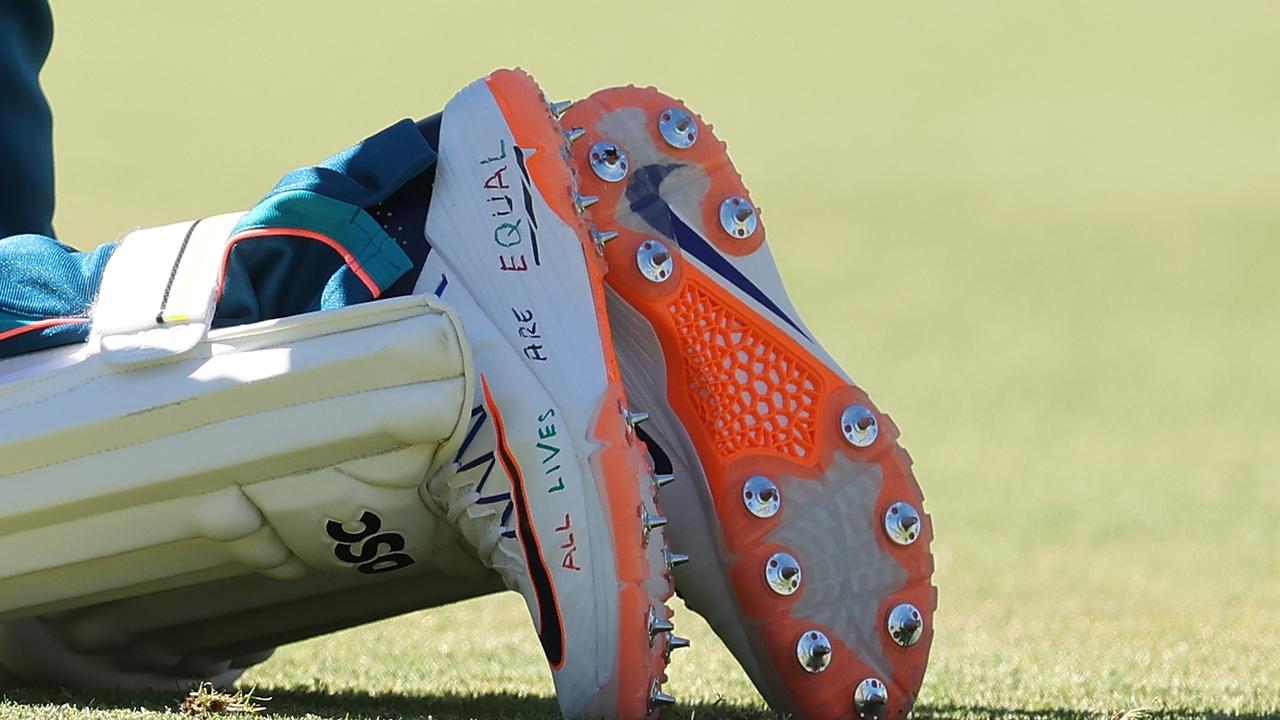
(715, 389)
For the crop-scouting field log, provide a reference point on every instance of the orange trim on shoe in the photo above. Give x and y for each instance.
(526, 112)
(621, 469)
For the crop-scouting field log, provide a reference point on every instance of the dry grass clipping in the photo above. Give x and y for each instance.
(205, 701)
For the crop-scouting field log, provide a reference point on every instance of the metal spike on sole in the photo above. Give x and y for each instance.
(582, 202)
(675, 559)
(675, 642)
(651, 523)
(660, 699)
(663, 479)
(657, 627)
(573, 134)
(602, 237)
(558, 108)
(635, 417)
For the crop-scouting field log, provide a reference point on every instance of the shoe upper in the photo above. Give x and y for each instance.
(578, 532)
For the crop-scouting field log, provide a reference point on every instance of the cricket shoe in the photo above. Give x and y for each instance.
(512, 254)
(809, 543)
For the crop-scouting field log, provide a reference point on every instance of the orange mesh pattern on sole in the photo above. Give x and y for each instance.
(749, 391)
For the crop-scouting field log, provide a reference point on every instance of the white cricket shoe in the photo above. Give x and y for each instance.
(512, 256)
(809, 544)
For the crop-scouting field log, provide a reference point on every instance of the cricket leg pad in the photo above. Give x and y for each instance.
(165, 455)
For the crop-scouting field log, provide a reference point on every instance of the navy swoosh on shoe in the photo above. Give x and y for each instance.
(647, 202)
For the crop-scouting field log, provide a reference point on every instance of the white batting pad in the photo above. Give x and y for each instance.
(283, 447)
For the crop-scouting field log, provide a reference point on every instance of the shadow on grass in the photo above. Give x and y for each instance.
(982, 712)
(286, 702)
(295, 701)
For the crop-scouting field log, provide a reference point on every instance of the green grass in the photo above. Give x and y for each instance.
(1043, 235)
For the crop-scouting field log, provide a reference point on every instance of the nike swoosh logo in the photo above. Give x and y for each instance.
(550, 624)
(648, 203)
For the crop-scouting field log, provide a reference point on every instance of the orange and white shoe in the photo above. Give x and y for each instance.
(808, 543)
(511, 254)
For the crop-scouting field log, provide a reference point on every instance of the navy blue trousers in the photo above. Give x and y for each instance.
(47, 289)
(26, 128)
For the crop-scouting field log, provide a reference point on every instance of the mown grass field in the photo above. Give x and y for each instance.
(1045, 236)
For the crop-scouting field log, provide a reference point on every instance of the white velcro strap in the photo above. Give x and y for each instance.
(159, 290)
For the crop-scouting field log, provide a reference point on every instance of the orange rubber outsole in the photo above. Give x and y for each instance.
(736, 437)
(626, 476)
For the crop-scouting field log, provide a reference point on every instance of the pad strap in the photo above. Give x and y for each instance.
(160, 290)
